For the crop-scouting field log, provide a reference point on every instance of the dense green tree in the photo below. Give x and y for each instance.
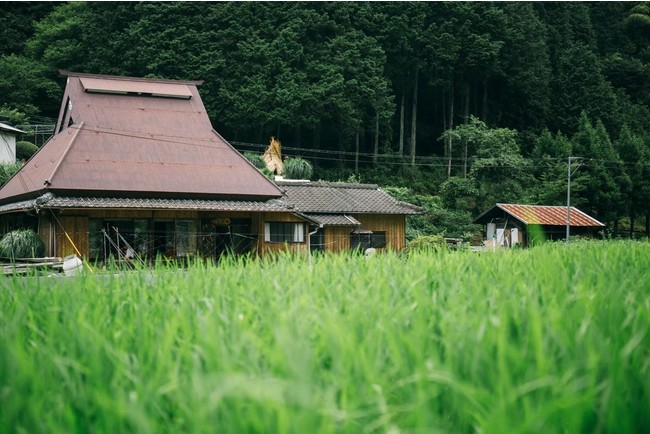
(358, 79)
(502, 174)
(602, 182)
(17, 22)
(637, 167)
(25, 85)
(525, 71)
(549, 161)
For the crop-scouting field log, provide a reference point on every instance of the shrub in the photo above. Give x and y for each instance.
(7, 170)
(25, 150)
(256, 160)
(426, 244)
(298, 168)
(21, 243)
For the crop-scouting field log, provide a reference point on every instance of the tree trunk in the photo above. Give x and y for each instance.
(298, 138)
(632, 222)
(647, 224)
(401, 126)
(414, 116)
(485, 100)
(376, 153)
(451, 125)
(465, 121)
(316, 141)
(356, 153)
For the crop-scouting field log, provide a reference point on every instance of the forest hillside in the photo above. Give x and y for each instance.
(453, 106)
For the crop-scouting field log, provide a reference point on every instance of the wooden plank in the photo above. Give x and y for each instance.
(76, 228)
(393, 225)
(269, 248)
(337, 239)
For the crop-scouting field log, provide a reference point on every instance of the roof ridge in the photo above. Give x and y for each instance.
(328, 184)
(536, 206)
(48, 181)
(65, 73)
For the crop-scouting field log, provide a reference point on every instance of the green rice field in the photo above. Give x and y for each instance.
(553, 339)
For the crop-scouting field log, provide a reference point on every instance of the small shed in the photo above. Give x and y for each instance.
(8, 143)
(508, 225)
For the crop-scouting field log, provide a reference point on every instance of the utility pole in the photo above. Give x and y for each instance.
(568, 200)
(568, 195)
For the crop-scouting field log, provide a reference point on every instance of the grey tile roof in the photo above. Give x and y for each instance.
(334, 219)
(341, 198)
(48, 201)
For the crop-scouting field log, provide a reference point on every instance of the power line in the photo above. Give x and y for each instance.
(339, 155)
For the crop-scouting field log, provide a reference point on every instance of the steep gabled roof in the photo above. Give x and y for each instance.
(340, 198)
(540, 215)
(133, 137)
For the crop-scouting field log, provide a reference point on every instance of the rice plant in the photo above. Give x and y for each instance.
(553, 339)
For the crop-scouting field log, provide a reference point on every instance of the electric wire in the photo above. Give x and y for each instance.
(457, 162)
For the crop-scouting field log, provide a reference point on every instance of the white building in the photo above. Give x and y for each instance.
(8, 143)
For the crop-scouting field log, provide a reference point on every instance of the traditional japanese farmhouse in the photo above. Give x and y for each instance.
(135, 162)
(509, 225)
(8, 143)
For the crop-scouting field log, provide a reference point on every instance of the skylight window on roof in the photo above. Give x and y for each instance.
(136, 88)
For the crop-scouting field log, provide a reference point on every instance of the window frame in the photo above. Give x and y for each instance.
(284, 232)
(371, 240)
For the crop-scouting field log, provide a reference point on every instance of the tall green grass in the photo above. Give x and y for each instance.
(553, 339)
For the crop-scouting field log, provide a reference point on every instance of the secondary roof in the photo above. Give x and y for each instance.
(540, 215)
(134, 137)
(334, 203)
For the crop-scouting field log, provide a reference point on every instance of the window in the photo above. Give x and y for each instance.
(282, 232)
(185, 237)
(365, 239)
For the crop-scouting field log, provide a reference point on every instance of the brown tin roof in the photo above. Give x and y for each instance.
(133, 137)
(542, 215)
(341, 198)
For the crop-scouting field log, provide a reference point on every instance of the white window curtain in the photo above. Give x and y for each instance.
(267, 232)
(298, 233)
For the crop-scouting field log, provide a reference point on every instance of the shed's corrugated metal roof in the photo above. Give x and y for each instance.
(341, 198)
(125, 144)
(545, 215)
(50, 201)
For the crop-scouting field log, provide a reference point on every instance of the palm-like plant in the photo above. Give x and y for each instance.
(298, 168)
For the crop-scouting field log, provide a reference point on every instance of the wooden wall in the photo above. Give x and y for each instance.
(76, 228)
(265, 248)
(393, 225)
(337, 238)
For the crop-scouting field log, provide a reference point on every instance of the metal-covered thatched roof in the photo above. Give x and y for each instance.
(136, 137)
